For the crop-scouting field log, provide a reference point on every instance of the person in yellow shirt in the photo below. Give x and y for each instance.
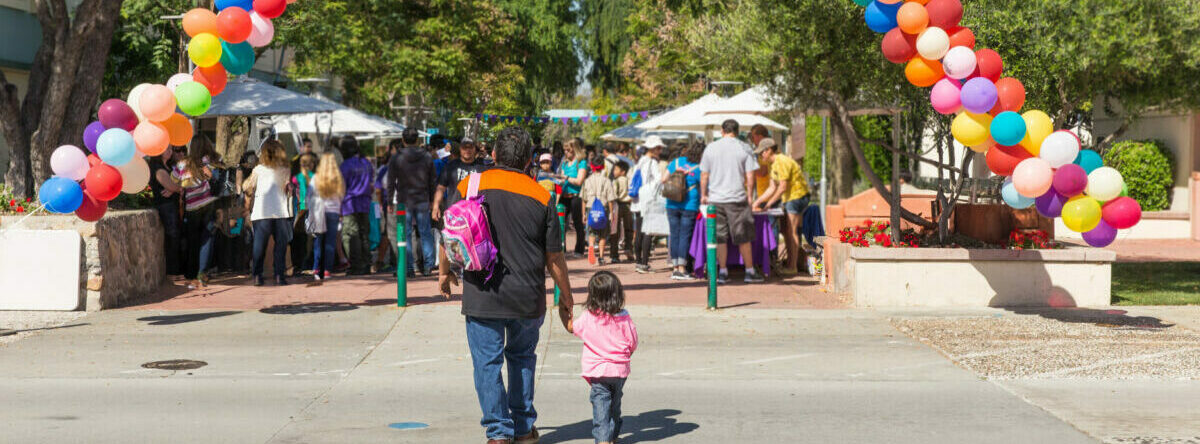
(789, 186)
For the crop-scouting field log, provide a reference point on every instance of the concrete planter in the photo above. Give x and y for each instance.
(63, 263)
(958, 277)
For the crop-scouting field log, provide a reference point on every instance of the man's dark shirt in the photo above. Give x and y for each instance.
(454, 172)
(411, 178)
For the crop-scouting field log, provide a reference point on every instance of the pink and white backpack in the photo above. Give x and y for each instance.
(466, 235)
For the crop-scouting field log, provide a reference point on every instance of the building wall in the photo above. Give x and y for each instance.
(21, 34)
(1179, 131)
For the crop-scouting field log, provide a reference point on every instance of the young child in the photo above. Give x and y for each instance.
(609, 340)
(599, 186)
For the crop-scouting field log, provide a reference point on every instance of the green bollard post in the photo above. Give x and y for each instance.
(710, 225)
(401, 256)
(562, 230)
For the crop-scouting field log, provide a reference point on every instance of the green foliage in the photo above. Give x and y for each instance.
(1156, 283)
(1148, 169)
(145, 48)
(876, 128)
(605, 40)
(812, 144)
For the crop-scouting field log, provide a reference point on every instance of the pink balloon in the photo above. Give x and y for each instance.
(945, 96)
(1122, 212)
(261, 30)
(1033, 177)
(1070, 180)
(157, 103)
(115, 113)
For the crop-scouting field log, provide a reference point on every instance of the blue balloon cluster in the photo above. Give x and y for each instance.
(1013, 198)
(881, 17)
(1008, 128)
(237, 58)
(60, 195)
(1089, 160)
(248, 5)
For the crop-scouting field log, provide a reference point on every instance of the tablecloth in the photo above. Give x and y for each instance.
(762, 245)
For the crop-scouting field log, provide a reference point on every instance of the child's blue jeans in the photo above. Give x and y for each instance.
(606, 408)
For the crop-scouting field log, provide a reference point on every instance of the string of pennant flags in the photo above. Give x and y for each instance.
(601, 118)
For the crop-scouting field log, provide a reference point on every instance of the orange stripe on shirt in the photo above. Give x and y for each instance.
(513, 182)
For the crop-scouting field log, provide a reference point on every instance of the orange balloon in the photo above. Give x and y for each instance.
(212, 77)
(179, 129)
(912, 18)
(199, 21)
(1010, 94)
(961, 36)
(151, 138)
(923, 72)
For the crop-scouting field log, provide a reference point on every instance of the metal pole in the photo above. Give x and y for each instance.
(559, 208)
(710, 225)
(401, 256)
(824, 178)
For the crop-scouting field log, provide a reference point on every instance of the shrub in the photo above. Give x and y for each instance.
(1149, 171)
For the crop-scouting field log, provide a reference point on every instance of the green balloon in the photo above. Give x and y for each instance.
(863, 2)
(193, 98)
(1125, 190)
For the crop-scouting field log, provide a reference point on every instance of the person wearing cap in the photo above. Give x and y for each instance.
(787, 186)
(650, 210)
(546, 177)
(455, 171)
(727, 183)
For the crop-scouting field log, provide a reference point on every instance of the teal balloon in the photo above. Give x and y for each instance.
(881, 17)
(60, 195)
(1015, 199)
(237, 58)
(115, 147)
(1089, 160)
(1008, 128)
(863, 2)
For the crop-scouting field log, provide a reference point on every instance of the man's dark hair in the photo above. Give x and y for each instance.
(605, 294)
(410, 136)
(759, 130)
(729, 126)
(512, 148)
(437, 141)
(610, 148)
(349, 147)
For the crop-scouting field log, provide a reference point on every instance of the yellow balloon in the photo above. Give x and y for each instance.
(1081, 214)
(1038, 127)
(971, 129)
(984, 147)
(205, 50)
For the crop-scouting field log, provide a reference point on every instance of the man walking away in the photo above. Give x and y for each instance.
(727, 182)
(505, 308)
(411, 181)
(356, 206)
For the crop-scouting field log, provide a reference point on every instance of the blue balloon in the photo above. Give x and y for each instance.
(248, 5)
(60, 195)
(1089, 160)
(237, 58)
(881, 17)
(115, 147)
(1008, 128)
(1013, 198)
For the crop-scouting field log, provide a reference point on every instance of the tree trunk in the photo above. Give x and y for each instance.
(841, 164)
(232, 133)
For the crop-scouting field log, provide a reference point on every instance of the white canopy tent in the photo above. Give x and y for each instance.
(755, 100)
(340, 121)
(696, 116)
(245, 96)
(683, 114)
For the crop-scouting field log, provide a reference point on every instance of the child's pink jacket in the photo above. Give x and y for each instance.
(608, 343)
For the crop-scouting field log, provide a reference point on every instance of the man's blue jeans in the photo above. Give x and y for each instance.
(421, 218)
(506, 414)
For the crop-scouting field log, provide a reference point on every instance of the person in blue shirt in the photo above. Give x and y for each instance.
(575, 167)
(681, 215)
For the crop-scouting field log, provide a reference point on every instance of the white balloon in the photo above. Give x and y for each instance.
(135, 175)
(134, 100)
(69, 161)
(959, 62)
(178, 79)
(1060, 148)
(933, 43)
(261, 30)
(1105, 184)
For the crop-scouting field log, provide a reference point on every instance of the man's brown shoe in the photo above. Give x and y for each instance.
(500, 441)
(531, 438)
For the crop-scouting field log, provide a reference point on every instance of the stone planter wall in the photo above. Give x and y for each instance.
(957, 277)
(122, 256)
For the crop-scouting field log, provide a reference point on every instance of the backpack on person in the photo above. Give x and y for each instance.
(635, 184)
(467, 236)
(598, 216)
(676, 188)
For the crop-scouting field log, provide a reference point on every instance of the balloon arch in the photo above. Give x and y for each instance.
(1044, 168)
(147, 122)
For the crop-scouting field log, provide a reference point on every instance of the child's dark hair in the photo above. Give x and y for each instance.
(605, 294)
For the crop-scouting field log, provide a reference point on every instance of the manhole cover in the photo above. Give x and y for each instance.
(408, 425)
(175, 364)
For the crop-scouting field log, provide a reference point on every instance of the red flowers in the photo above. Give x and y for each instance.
(20, 209)
(1020, 239)
(878, 234)
(12, 203)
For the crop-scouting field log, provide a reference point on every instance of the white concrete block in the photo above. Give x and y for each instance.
(40, 269)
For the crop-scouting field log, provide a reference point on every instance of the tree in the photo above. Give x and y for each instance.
(64, 85)
(605, 40)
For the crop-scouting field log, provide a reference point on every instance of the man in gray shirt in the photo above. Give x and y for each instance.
(726, 181)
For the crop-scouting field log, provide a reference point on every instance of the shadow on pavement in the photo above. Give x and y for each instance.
(649, 426)
(1104, 318)
(185, 318)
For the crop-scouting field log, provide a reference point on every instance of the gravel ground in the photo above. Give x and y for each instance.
(1063, 343)
(28, 323)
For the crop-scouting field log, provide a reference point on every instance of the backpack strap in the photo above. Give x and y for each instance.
(473, 185)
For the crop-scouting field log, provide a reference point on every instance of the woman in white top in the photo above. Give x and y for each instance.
(271, 215)
(651, 207)
(325, 193)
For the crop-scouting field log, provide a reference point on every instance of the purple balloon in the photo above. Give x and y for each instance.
(1101, 236)
(1070, 180)
(91, 134)
(1050, 204)
(978, 95)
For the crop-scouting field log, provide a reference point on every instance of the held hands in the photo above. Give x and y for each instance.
(567, 317)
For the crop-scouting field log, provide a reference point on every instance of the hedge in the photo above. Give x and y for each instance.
(1148, 168)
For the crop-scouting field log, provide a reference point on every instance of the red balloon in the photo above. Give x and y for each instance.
(270, 8)
(961, 36)
(93, 160)
(212, 77)
(1122, 212)
(1010, 94)
(899, 47)
(1002, 160)
(233, 24)
(944, 14)
(988, 65)
(103, 182)
(91, 209)
(115, 113)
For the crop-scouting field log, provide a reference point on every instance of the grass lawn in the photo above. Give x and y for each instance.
(1156, 283)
